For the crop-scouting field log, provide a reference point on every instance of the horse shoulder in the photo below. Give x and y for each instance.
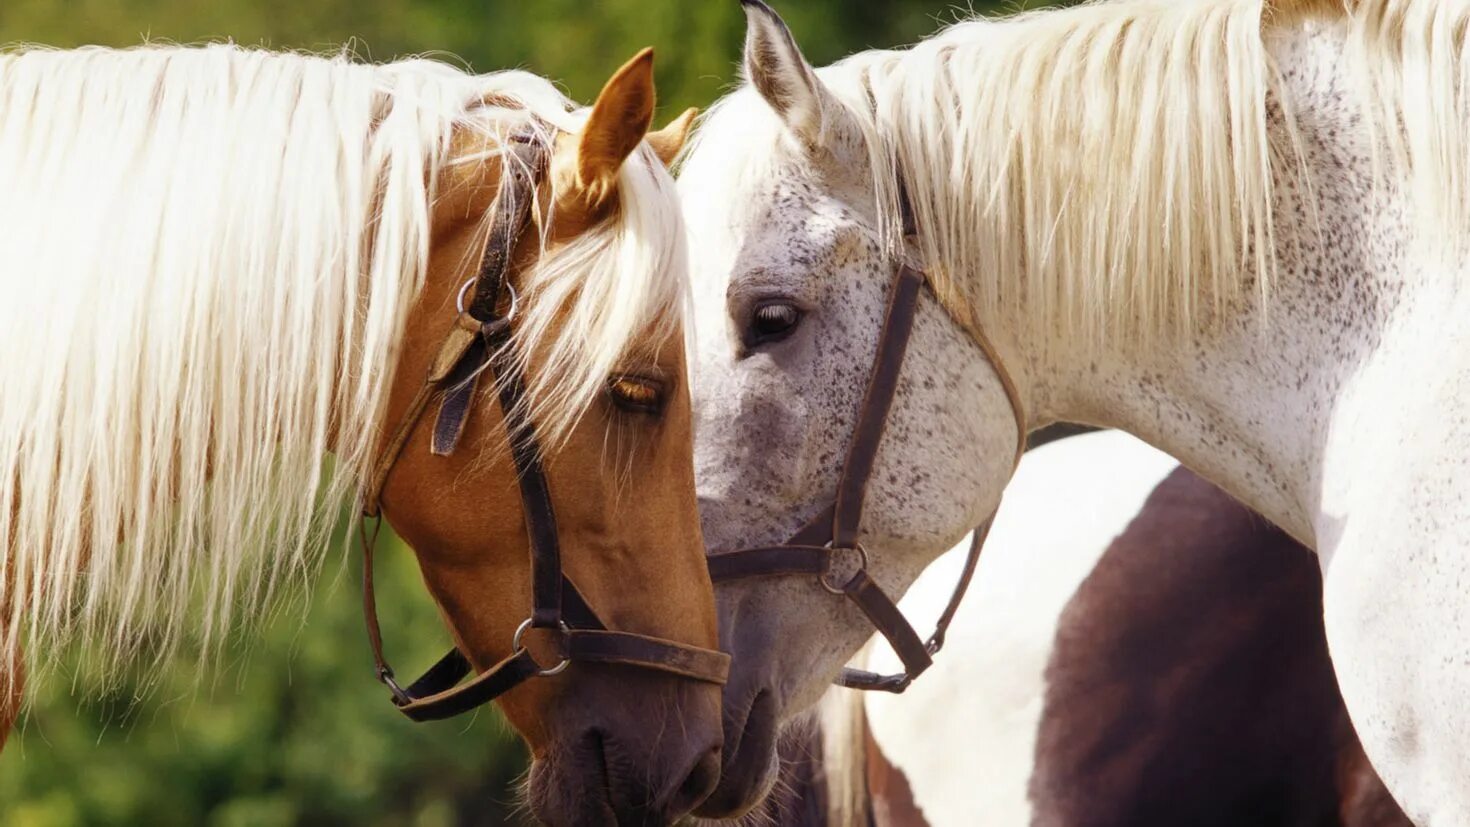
(1396, 565)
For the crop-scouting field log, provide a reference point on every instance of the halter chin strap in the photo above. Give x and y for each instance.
(478, 348)
(819, 548)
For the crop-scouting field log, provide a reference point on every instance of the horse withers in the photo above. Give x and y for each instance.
(262, 262)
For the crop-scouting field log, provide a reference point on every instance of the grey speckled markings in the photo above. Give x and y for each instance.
(1229, 249)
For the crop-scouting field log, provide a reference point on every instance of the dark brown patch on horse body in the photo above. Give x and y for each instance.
(1190, 683)
(801, 797)
(890, 798)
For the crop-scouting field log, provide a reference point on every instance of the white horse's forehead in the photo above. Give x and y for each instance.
(776, 234)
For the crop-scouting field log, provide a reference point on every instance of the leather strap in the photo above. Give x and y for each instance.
(478, 348)
(881, 610)
(512, 216)
(546, 576)
(838, 528)
(438, 694)
(598, 646)
(773, 561)
(484, 688)
(459, 387)
(887, 619)
(451, 353)
(897, 683)
(898, 325)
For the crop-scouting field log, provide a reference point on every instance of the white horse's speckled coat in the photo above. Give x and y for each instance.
(1339, 411)
(985, 697)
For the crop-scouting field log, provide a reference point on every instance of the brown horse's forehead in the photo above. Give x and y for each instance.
(658, 346)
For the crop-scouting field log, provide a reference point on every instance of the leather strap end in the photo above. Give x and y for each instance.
(466, 332)
(872, 681)
(454, 413)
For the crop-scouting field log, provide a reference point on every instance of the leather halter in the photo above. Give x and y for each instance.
(817, 548)
(479, 346)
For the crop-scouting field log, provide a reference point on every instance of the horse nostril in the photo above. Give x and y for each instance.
(697, 786)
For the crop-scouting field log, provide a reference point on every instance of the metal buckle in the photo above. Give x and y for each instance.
(400, 695)
(517, 648)
(515, 300)
(862, 566)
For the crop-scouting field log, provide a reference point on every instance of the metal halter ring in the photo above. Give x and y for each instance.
(517, 648)
(515, 300)
(862, 566)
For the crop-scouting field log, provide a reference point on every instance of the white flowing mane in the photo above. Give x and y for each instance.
(207, 256)
(1120, 156)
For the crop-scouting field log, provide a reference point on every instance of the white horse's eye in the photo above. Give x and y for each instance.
(773, 321)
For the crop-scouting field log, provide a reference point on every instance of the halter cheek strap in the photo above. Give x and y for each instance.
(478, 348)
(816, 549)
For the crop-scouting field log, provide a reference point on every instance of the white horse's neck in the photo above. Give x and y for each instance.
(1256, 404)
(1338, 413)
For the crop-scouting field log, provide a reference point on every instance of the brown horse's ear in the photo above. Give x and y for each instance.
(617, 125)
(667, 142)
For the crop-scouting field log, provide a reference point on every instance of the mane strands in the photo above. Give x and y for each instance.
(624, 282)
(1116, 155)
(841, 717)
(208, 255)
(1413, 63)
(1110, 168)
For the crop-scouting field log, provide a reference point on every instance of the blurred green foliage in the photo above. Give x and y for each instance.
(288, 727)
(296, 732)
(576, 42)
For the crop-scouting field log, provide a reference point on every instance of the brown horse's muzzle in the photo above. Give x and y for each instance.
(628, 748)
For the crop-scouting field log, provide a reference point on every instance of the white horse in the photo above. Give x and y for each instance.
(1232, 228)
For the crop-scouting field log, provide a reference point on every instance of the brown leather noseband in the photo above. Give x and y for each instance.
(817, 548)
(479, 346)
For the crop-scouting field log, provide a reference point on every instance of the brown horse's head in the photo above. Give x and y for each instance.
(601, 291)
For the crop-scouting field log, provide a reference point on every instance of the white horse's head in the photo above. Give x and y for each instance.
(796, 242)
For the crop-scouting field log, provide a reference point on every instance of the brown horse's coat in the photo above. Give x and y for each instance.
(622, 484)
(1190, 682)
(623, 490)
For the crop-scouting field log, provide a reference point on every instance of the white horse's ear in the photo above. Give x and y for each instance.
(776, 68)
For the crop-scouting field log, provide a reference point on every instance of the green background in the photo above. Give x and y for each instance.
(288, 726)
(576, 42)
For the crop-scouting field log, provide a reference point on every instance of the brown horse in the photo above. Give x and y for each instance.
(1185, 680)
(297, 282)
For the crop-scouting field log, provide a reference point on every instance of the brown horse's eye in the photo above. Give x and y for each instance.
(634, 393)
(773, 321)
